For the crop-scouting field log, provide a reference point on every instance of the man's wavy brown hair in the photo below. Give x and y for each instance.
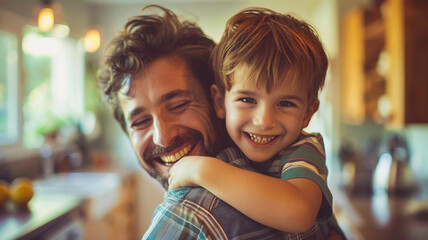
(146, 38)
(270, 44)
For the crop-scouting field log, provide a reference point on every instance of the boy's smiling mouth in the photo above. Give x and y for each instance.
(260, 139)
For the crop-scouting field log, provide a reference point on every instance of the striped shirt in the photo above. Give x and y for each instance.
(305, 158)
(195, 213)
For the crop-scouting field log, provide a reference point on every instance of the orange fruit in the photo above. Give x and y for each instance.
(4, 193)
(21, 191)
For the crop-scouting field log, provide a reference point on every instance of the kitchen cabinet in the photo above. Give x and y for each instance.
(120, 222)
(385, 63)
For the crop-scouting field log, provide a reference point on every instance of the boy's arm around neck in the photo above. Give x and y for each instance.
(288, 205)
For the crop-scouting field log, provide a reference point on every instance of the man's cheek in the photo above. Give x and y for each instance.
(139, 143)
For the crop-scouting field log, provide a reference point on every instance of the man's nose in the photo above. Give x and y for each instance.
(162, 131)
(264, 117)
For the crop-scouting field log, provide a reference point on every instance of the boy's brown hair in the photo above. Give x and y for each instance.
(270, 44)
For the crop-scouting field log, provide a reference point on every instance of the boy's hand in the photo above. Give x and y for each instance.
(187, 171)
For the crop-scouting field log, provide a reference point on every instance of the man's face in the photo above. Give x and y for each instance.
(168, 116)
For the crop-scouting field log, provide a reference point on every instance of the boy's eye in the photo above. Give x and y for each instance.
(141, 124)
(286, 104)
(247, 100)
(179, 106)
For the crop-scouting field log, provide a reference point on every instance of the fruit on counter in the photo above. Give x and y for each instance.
(21, 191)
(4, 193)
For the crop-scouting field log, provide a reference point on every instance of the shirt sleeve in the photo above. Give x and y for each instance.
(306, 159)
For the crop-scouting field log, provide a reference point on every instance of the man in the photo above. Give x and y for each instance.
(157, 78)
(171, 112)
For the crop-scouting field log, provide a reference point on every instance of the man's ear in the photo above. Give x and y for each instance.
(218, 102)
(312, 109)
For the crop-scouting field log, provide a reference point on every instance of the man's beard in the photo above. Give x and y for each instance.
(161, 179)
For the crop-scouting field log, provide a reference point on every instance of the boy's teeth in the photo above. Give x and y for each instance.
(176, 156)
(260, 139)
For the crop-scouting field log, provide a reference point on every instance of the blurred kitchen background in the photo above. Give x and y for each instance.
(56, 130)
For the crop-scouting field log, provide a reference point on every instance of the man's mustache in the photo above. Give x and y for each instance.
(178, 141)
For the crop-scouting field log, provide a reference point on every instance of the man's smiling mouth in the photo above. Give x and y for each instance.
(174, 157)
(260, 139)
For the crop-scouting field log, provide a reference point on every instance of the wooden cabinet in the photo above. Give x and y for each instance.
(120, 222)
(385, 63)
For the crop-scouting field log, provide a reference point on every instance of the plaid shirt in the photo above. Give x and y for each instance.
(195, 213)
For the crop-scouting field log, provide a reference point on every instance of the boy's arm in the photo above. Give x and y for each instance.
(288, 205)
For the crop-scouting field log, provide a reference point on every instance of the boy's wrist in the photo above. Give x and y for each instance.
(205, 170)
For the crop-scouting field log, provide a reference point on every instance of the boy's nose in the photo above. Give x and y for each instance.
(264, 118)
(162, 131)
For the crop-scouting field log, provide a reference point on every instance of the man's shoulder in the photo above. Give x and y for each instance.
(191, 213)
(184, 214)
(211, 215)
(192, 196)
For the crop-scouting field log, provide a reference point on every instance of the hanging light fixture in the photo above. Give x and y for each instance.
(92, 40)
(46, 16)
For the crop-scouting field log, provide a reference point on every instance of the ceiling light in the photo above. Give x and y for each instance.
(46, 19)
(92, 41)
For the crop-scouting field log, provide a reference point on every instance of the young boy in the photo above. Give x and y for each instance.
(269, 68)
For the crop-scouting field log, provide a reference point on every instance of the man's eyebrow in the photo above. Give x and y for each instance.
(135, 112)
(172, 94)
(162, 99)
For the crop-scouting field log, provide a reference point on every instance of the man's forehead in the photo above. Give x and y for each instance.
(160, 77)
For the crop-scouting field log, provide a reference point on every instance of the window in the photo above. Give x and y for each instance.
(8, 88)
(42, 86)
(53, 95)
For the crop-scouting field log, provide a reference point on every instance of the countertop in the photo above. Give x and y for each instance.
(61, 198)
(44, 211)
(382, 215)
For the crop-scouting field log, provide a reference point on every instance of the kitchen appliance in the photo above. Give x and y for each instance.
(393, 173)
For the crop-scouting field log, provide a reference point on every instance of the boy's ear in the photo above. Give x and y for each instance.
(218, 102)
(313, 108)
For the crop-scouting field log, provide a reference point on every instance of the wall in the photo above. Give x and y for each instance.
(76, 13)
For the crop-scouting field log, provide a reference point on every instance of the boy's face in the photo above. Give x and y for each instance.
(262, 123)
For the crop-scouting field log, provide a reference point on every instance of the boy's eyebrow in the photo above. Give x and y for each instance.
(246, 92)
(162, 99)
(286, 96)
(294, 97)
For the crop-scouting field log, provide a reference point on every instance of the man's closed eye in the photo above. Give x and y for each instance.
(178, 107)
(140, 124)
